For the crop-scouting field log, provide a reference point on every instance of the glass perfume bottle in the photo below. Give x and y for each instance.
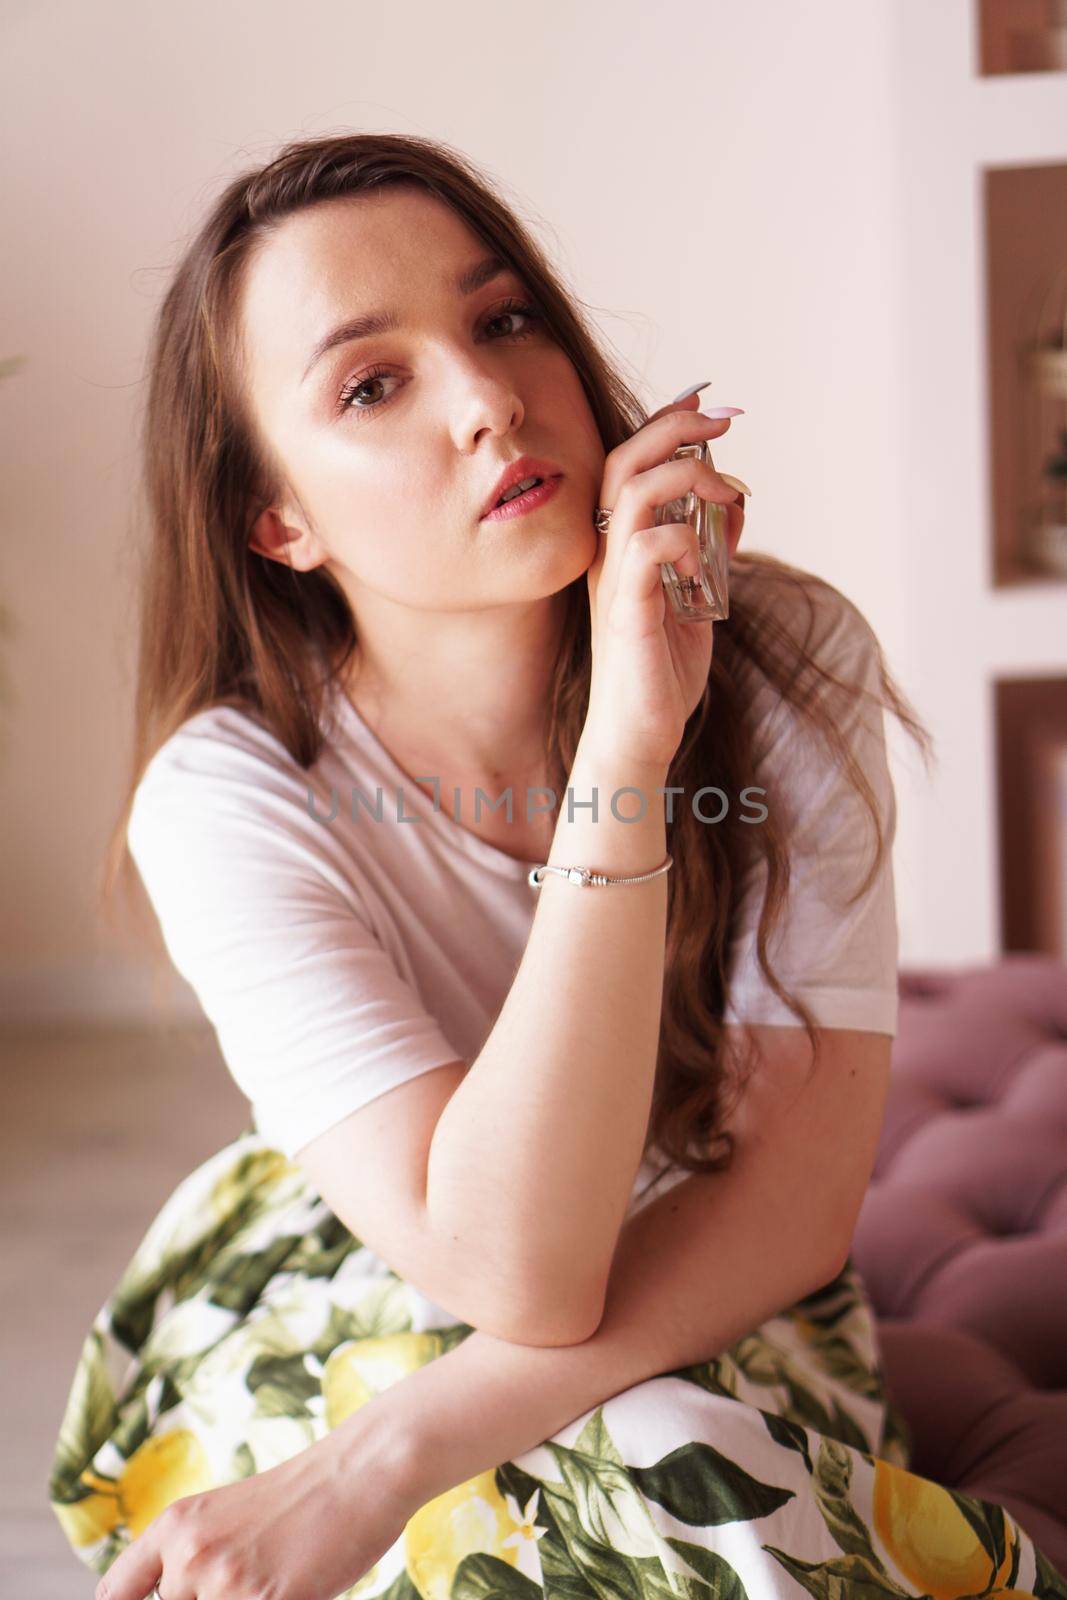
(705, 598)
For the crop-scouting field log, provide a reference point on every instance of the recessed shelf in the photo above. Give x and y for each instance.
(1030, 716)
(1022, 36)
(1026, 320)
(1020, 578)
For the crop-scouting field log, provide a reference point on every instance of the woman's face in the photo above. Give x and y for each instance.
(392, 444)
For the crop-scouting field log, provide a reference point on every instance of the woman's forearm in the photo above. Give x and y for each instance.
(694, 1270)
(533, 1159)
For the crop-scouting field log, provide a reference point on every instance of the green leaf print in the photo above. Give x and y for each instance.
(897, 1443)
(784, 1431)
(698, 1485)
(832, 1482)
(607, 1502)
(132, 1312)
(842, 1362)
(1048, 1583)
(714, 1377)
(988, 1524)
(810, 1411)
(609, 1528)
(139, 1412)
(134, 1427)
(720, 1575)
(608, 1572)
(661, 1583)
(835, 1292)
(383, 1310)
(560, 1573)
(277, 1400)
(1013, 1570)
(485, 1577)
(243, 1464)
(769, 1366)
(321, 1252)
(238, 1280)
(89, 1416)
(190, 1246)
(760, 1361)
(562, 1577)
(288, 1375)
(401, 1588)
(595, 1440)
(844, 1575)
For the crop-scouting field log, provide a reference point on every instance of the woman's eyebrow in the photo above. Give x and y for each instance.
(469, 281)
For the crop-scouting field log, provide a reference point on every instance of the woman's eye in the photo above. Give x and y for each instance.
(351, 393)
(515, 309)
(352, 396)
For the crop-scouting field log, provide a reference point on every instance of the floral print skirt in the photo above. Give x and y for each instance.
(250, 1321)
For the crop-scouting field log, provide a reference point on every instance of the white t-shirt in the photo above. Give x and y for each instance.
(337, 958)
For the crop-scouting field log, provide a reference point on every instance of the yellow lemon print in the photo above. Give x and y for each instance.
(163, 1469)
(930, 1539)
(93, 1518)
(468, 1519)
(355, 1372)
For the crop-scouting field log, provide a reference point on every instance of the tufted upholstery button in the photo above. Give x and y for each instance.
(962, 1240)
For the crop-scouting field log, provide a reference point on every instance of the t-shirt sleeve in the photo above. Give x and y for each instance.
(313, 1016)
(840, 958)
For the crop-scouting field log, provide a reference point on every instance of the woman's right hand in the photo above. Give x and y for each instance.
(649, 668)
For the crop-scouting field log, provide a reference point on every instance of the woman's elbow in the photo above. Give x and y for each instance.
(545, 1318)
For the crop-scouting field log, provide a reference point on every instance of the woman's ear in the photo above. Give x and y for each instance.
(282, 536)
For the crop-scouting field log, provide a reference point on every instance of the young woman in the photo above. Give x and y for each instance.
(533, 1272)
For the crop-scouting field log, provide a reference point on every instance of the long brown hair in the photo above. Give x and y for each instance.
(219, 623)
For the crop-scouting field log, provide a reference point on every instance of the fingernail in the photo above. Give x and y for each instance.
(694, 390)
(723, 411)
(736, 483)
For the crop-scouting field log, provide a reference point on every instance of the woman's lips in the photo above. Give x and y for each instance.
(539, 495)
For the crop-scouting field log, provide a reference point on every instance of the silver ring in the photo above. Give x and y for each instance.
(601, 518)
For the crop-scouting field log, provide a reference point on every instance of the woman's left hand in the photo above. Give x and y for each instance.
(304, 1530)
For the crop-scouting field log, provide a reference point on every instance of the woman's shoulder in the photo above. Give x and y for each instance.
(217, 731)
(225, 743)
(222, 770)
(224, 813)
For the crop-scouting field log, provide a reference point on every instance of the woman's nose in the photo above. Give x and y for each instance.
(483, 397)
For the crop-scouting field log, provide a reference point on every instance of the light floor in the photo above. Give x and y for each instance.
(98, 1127)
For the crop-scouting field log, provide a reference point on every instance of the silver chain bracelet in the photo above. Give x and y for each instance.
(587, 878)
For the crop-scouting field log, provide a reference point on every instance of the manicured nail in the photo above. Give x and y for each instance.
(694, 390)
(723, 411)
(736, 483)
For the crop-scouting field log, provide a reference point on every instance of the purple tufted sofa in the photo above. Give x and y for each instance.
(962, 1240)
